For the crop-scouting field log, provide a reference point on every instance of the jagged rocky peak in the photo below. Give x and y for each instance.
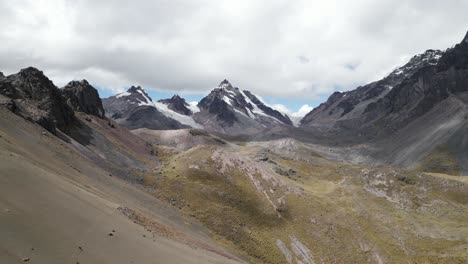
(225, 84)
(32, 83)
(227, 101)
(83, 97)
(225, 88)
(465, 40)
(430, 57)
(40, 100)
(136, 95)
(225, 96)
(177, 104)
(135, 89)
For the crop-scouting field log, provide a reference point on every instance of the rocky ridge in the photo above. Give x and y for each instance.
(33, 96)
(83, 97)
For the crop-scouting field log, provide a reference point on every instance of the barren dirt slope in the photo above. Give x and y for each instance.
(57, 207)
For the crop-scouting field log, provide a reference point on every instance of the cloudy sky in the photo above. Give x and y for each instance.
(292, 52)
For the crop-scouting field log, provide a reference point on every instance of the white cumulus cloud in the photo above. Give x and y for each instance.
(294, 116)
(276, 48)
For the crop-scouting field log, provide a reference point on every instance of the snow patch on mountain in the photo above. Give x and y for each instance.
(183, 119)
(148, 100)
(122, 94)
(256, 109)
(227, 100)
(430, 57)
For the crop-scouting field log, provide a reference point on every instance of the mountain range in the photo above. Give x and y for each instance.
(226, 109)
(372, 175)
(384, 114)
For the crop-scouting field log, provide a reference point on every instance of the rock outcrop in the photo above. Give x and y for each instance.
(83, 97)
(38, 99)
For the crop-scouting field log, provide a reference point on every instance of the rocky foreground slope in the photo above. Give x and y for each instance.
(71, 188)
(56, 206)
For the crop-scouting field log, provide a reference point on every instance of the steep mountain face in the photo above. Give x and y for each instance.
(425, 110)
(256, 103)
(177, 104)
(230, 110)
(135, 109)
(343, 106)
(36, 98)
(83, 97)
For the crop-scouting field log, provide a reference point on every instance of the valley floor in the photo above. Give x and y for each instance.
(281, 202)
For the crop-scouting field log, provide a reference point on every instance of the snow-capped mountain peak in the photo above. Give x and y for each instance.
(136, 95)
(225, 84)
(430, 57)
(226, 99)
(225, 107)
(177, 104)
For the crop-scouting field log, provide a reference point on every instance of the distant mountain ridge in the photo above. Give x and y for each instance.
(342, 106)
(135, 109)
(417, 110)
(403, 95)
(226, 109)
